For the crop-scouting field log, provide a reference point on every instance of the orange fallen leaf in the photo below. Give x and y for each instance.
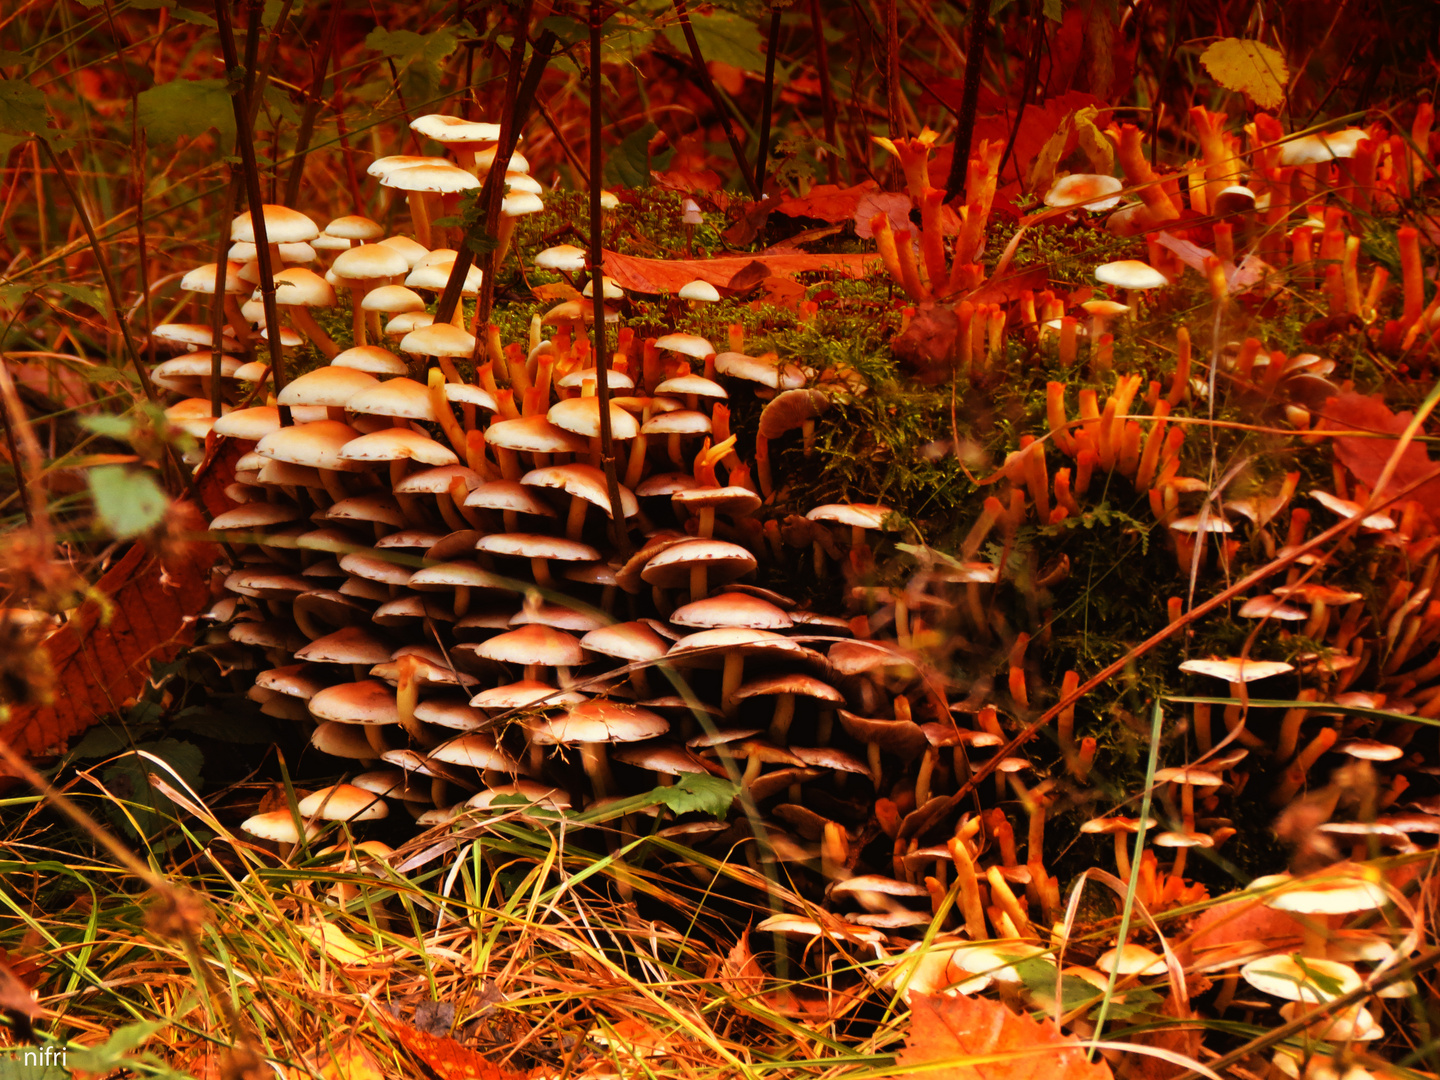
(827, 202)
(446, 1058)
(965, 1038)
(668, 275)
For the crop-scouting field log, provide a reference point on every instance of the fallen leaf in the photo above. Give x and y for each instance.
(1248, 67)
(1175, 1038)
(828, 202)
(965, 1038)
(749, 276)
(1366, 457)
(668, 275)
(928, 343)
(331, 940)
(350, 1060)
(444, 1057)
(101, 657)
(740, 972)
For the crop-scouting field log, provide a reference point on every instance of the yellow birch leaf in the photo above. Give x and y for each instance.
(1248, 67)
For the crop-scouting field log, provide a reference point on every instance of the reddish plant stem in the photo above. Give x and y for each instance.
(703, 74)
(251, 173)
(597, 279)
(827, 94)
(969, 98)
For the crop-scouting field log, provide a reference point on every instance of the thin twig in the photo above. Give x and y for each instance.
(827, 93)
(217, 307)
(969, 98)
(763, 149)
(708, 84)
(1032, 74)
(465, 256)
(597, 283)
(312, 107)
(251, 172)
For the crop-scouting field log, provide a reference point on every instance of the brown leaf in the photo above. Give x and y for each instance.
(980, 1039)
(740, 972)
(749, 276)
(1176, 1038)
(17, 1003)
(928, 343)
(668, 275)
(102, 656)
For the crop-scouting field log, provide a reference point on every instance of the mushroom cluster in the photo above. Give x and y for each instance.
(472, 605)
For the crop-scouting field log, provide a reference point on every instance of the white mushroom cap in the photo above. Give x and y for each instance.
(1130, 274)
(1093, 191)
(1292, 977)
(701, 291)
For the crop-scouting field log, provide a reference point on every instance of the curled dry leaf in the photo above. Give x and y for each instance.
(965, 1038)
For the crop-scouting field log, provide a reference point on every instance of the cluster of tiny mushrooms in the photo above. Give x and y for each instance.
(429, 566)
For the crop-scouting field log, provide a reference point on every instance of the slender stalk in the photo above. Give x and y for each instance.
(827, 94)
(251, 172)
(342, 136)
(762, 150)
(703, 74)
(969, 98)
(465, 257)
(597, 276)
(116, 305)
(312, 107)
(1032, 74)
(893, 108)
(217, 307)
(29, 487)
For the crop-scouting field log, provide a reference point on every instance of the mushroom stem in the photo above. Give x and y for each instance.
(923, 777)
(540, 568)
(730, 678)
(358, 289)
(1122, 856)
(306, 324)
(237, 322)
(698, 584)
(334, 485)
(420, 216)
(376, 736)
(575, 520)
(597, 768)
(780, 720)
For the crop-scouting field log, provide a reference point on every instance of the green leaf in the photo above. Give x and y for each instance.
(1248, 67)
(128, 778)
(186, 108)
(1054, 10)
(722, 36)
(238, 722)
(407, 45)
(114, 1053)
(127, 501)
(22, 108)
(628, 164)
(110, 427)
(100, 742)
(697, 793)
(417, 57)
(9, 58)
